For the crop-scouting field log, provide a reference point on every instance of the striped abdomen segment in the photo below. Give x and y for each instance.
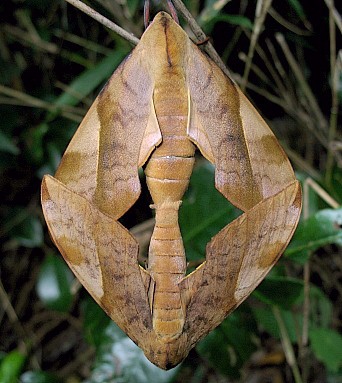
(167, 266)
(167, 176)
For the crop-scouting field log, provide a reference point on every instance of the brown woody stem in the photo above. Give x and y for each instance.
(104, 21)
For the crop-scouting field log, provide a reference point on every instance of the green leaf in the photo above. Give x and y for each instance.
(321, 308)
(120, 360)
(231, 344)
(38, 377)
(336, 181)
(95, 321)
(212, 8)
(87, 81)
(54, 158)
(54, 284)
(323, 228)
(320, 313)
(280, 291)
(34, 140)
(327, 346)
(241, 21)
(133, 6)
(296, 5)
(11, 367)
(6, 144)
(32, 233)
(204, 212)
(25, 228)
(266, 320)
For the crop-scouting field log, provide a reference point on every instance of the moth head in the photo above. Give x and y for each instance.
(166, 41)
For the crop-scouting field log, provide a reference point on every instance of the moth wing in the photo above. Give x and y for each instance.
(115, 137)
(271, 167)
(237, 260)
(102, 254)
(249, 163)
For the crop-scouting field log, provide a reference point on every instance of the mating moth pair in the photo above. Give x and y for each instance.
(166, 100)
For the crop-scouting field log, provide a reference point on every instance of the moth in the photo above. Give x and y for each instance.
(163, 102)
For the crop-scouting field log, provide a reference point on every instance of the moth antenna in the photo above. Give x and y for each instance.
(173, 11)
(146, 13)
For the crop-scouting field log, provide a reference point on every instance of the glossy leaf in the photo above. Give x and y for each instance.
(54, 284)
(323, 228)
(237, 20)
(133, 5)
(212, 8)
(231, 344)
(327, 346)
(320, 313)
(204, 212)
(280, 291)
(6, 145)
(267, 322)
(34, 140)
(297, 6)
(38, 377)
(11, 366)
(321, 310)
(88, 80)
(24, 227)
(120, 360)
(95, 322)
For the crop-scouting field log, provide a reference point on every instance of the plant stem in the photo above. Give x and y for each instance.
(104, 21)
(334, 76)
(288, 349)
(260, 15)
(201, 36)
(307, 92)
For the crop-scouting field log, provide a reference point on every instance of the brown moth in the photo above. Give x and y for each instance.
(164, 101)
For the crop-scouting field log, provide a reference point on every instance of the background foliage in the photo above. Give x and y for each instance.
(53, 62)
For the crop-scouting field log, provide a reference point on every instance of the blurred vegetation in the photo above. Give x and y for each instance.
(53, 62)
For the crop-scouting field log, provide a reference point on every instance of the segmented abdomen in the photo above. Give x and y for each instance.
(167, 176)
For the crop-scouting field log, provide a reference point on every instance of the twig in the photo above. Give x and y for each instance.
(26, 340)
(301, 163)
(196, 29)
(88, 44)
(278, 65)
(263, 92)
(201, 36)
(257, 70)
(142, 233)
(279, 74)
(321, 192)
(334, 75)
(287, 346)
(28, 39)
(67, 111)
(83, 358)
(260, 15)
(303, 352)
(337, 17)
(104, 21)
(291, 27)
(315, 109)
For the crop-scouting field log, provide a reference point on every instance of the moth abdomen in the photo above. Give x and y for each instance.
(167, 266)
